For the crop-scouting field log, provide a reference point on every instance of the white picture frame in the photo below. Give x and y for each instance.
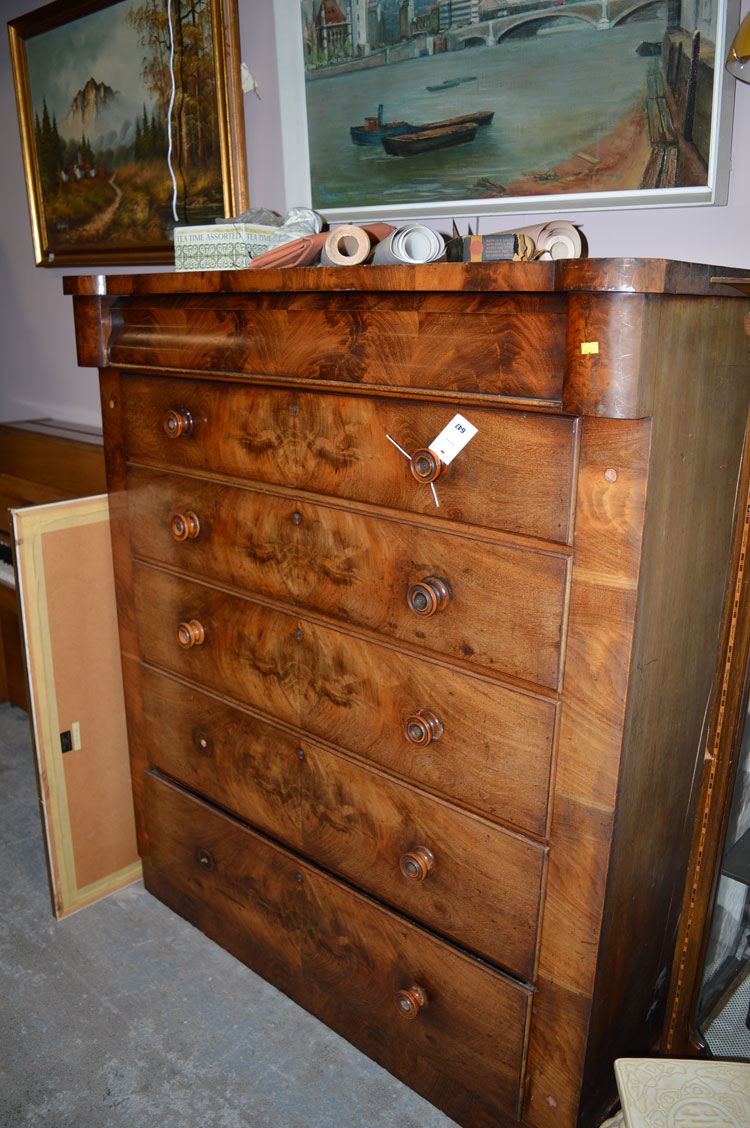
(303, 188)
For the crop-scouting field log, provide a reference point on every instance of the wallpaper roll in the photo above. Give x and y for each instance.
(556, 239)
(346, 245)
(411, 244)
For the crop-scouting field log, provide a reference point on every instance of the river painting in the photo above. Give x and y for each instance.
(576, 108)
(100, 97)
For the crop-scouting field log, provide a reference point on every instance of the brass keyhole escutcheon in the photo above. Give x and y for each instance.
(205, 858)
(203, 742)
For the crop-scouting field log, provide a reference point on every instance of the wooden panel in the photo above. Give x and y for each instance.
(344, 957)
(495, 748)
(425, 342)
(12, 660)
(640, 275)
(482, 887)
(67, 604)
(516, 474)
(494, 751)
(43, 461)
(606, 358)
(609, 526)
(504, 606)
(698, 435)
(248, 652)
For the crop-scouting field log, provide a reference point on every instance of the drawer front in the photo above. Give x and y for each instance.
(509, 344)
(516, 474)
(459, 874)
(343, 957)
(463, 736)
(495, 605)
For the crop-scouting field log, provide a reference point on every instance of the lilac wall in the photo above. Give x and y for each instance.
(38, 370)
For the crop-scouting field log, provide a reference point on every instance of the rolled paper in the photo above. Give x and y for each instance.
(411, 244)
(556, 239)
(299, 252)
(346, 245)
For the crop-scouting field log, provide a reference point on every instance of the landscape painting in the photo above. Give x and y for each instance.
(451, 105)
(124, 126)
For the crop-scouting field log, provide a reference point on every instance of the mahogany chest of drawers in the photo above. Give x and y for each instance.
(414, 737)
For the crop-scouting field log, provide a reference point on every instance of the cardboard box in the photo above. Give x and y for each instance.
(220, 246)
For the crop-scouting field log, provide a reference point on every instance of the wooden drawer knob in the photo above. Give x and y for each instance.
(428, 596)
(190, 634)
(185, 526)
(411, 1000)
(423, 727)
(426, 466)
(417, 863)
(178, 421)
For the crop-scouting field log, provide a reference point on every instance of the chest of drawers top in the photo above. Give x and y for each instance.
(567, 335)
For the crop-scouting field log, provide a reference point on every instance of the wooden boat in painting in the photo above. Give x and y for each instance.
(374, 130)
(427, 140)
(481, 117)
(447, 83)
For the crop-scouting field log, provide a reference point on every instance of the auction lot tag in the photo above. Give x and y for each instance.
(453, 438)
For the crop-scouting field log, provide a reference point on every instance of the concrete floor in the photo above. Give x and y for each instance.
(125, 1015)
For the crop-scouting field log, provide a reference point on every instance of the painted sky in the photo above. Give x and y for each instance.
(102, 46)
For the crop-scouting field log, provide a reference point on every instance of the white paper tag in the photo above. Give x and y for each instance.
(453, 438)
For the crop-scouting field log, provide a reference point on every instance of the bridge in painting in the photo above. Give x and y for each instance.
(601, 14)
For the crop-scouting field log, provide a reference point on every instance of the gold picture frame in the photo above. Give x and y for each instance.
(132, 121)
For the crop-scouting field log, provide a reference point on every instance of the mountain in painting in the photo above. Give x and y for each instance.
(97, 110)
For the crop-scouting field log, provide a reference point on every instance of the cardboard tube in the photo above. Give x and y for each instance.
(346, 245)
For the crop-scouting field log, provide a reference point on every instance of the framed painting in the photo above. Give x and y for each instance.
(461, 107)
(131, 120)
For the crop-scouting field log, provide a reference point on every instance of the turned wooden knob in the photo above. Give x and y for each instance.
(190, 633)
(178, 421)
(417, 863)
(428, 596)
(411, 1000)
(185, 526)
(426, 466)
(423, 727)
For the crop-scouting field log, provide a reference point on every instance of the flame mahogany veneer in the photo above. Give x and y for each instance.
(427, 768)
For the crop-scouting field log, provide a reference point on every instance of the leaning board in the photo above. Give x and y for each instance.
(69, 621)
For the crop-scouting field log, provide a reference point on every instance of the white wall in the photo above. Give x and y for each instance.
(38, 370)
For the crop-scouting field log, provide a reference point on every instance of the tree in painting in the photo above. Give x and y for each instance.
(195, 133)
